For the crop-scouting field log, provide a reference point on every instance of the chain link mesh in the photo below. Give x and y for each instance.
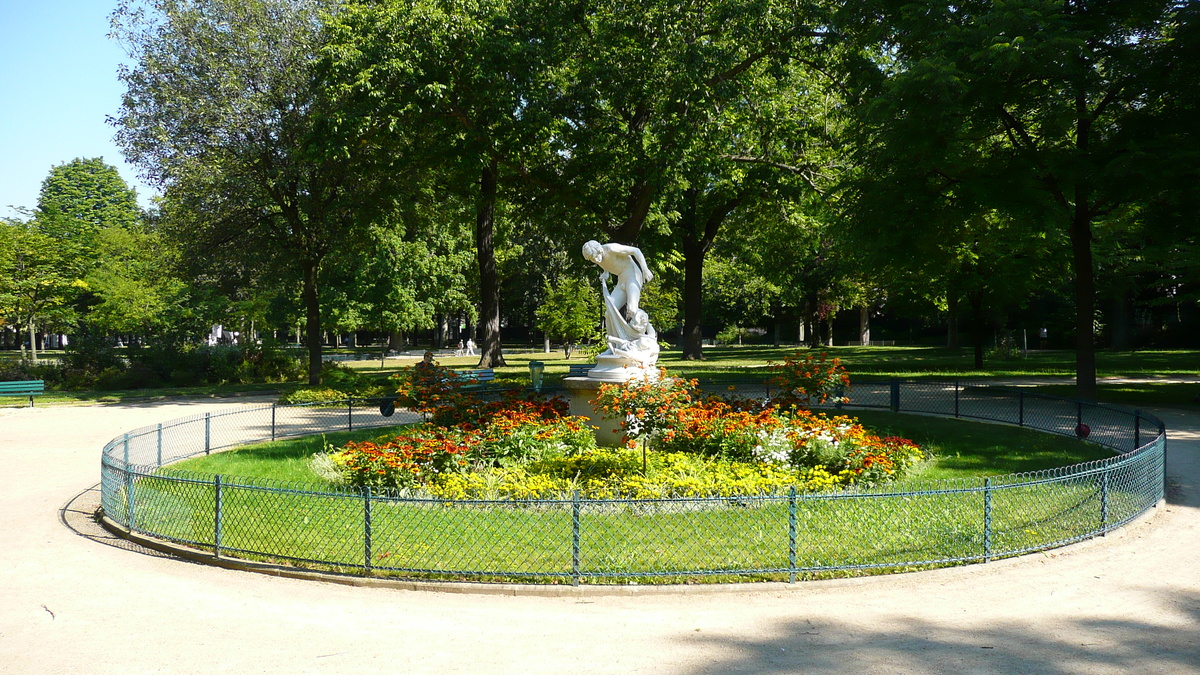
(927, 523)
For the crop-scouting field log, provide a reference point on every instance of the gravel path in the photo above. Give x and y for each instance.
(75, 600)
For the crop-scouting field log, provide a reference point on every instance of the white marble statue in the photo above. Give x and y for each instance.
(632, 341)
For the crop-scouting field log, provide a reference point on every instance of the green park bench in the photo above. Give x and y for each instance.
(28, 388)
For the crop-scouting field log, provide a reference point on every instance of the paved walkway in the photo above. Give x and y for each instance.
(1129, 602)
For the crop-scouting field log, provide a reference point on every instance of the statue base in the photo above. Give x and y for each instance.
(613, 368)
(581, 394)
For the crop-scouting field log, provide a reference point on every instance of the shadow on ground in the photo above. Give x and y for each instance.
(1124, 646)
(81, 516)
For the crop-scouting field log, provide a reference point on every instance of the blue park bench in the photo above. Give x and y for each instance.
(28, 388)
(476, 378)
(579, 369)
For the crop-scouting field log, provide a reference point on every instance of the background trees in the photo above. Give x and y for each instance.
(424, 168)
(227, 111)
(1031, 108)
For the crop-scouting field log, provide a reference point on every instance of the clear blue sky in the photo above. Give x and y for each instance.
(58, 82)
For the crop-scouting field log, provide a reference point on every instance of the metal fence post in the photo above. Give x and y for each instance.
(1162, 486)
(895, 397)
(272, 421)
(1137, 429)
(987, 520)
(956, 398)
(1104, 503)
(350, 413)
(129, 498)
(1021, 409)
(218, 499)
(207, 432)
(575, 538)
(792, 535)
(160, 444)
(1078, 416)
(366, 493)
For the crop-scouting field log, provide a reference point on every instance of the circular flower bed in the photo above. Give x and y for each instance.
(679, 443)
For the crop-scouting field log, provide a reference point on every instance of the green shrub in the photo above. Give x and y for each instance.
(321, 395)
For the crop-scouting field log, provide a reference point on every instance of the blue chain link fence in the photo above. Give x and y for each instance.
(911, 525)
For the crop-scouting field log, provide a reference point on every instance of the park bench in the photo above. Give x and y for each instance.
(476, 378)
(579, 369)
(28, 388)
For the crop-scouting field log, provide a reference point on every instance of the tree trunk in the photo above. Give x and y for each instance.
(440, 326)
(693, 300)
(829, 330)
(864, 325)
(32, 341)
(312, 321)
(490, 354)
(800, 332)
(1120, 321)
(395, 341)
(1085, 305)
(776, 336)
(977, 328)
(546, 344)
(952, 321)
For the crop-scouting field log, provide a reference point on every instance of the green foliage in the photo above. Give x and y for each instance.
(91, 361)
(570, 312)
(808, 379)
(136, 288)
(84, 196)
(647, 407)
(38, 276)
(216, 88)
(312, 396)
(1018, 123)
(735, 294)
(733, 335)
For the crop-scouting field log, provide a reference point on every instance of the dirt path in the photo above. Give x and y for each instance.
(1129, 602)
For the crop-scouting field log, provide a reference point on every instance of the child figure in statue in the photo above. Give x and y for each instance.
(628, 264)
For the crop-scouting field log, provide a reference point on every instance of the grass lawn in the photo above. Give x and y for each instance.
(1133, 395)
(740, 363)
(727, 364)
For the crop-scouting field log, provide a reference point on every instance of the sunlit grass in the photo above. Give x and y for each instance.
(642, 539)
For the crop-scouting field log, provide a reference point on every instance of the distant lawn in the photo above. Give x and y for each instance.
(727, 364)
(960, 449)
(1170, 394)
(53, 397)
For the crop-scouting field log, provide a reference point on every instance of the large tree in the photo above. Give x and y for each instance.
(228, 110)
(459, 76)
(677, 115)
(39, 277)
(81, 197)
(1022, 107)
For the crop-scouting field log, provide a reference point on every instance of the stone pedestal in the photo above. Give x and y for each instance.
(613, 368)
(581, 393)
